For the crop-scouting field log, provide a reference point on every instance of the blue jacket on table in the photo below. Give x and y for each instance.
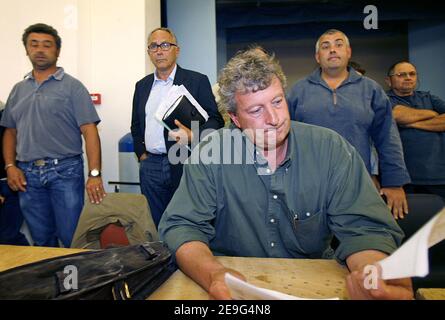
(199, 87)
(360, 111)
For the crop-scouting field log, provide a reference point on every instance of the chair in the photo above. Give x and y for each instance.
(119, 219)
(422, 207)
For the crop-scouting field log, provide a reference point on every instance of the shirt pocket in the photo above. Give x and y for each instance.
(310, 233)
(56, 105)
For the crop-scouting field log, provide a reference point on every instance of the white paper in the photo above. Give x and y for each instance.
(241, 290)
(173, 94)
(411, 259)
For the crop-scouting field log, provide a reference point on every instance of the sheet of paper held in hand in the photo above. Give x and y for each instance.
(173, 94)
(241, 290)
(411, 259)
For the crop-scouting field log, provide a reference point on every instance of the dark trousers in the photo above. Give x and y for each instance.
(11, 218)
(430, 189)
(156, 184)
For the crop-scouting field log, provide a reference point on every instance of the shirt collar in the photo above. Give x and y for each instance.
(257, 157)
(171, 77)
(353, 76)
(58, 75)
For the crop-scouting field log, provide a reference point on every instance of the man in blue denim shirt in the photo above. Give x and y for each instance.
(271, 187)
(336, 97)
(45, 117)
(421, 120)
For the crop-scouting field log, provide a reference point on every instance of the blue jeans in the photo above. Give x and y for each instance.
(156, 184)
(11, 218)
(53, 200)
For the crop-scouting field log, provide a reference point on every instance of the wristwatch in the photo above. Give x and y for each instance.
(94, 173)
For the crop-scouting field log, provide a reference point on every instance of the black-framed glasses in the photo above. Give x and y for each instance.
(404, 74)
(165, 46)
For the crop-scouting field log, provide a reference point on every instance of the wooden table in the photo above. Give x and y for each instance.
(430, 294)
(300, 277)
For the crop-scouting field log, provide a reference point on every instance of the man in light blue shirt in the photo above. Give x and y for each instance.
(159, 177)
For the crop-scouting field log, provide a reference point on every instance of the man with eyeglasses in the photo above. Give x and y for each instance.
(421, 120)
(335, 96)
(158, 176)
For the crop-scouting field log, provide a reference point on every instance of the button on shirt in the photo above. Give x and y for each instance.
(154, 131)
(47, 116)
(321, 188)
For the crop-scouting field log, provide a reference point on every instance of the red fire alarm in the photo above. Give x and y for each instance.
(96, 98)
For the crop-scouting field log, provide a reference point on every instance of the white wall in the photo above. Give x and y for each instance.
(103, 45)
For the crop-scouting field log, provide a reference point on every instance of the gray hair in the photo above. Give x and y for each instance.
(331, 31)
(247, 72)
(166, 30)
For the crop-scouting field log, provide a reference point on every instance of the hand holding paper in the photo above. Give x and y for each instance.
(411, 259)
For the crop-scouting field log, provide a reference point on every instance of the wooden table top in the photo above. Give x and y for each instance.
(305, 278)
(300, 277)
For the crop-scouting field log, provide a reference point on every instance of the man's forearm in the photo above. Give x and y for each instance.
(9, 145)
(357, 261)
(436, 124)
(197, 261)
(404, 115)
(92, 146)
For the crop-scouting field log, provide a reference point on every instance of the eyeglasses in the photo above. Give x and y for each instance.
(165, 46)
(404, 74)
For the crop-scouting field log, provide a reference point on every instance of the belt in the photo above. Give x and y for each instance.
(43, 162)
(157, 154)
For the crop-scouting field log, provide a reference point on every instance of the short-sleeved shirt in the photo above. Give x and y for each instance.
(424, 150)
(48, 116)
(239, 208)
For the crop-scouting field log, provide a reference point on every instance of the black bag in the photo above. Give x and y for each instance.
(131, 272)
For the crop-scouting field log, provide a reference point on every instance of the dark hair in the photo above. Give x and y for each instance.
(394, 65)
(42, 28)
(357, 67)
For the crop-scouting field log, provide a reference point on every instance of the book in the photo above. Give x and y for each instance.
(183, 111)
(179, 97)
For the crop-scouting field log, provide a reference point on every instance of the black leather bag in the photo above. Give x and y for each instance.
(131, 272)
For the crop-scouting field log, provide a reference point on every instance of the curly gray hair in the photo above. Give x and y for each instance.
(248, 71)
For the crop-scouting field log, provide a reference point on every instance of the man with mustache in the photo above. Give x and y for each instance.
(421, 120)
(336, 97)
(294, 186)
(45, 117)
(158, 176)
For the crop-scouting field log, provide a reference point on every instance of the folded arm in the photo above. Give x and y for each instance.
(405, 115)
(436, 124)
